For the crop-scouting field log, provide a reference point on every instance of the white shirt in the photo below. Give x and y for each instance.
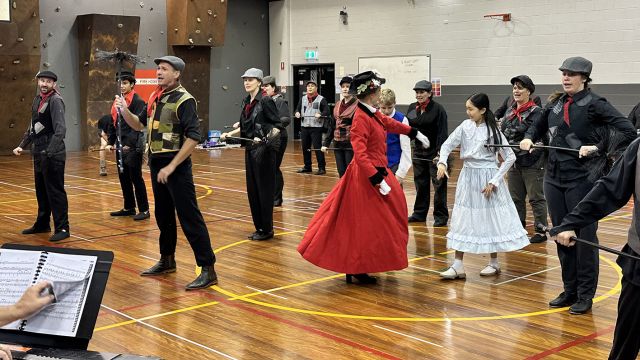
(405, 146)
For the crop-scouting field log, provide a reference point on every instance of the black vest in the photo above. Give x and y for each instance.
(41, 115)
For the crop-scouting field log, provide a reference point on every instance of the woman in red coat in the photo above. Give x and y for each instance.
(361, 227)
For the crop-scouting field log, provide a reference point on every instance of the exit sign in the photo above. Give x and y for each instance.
(311, 55)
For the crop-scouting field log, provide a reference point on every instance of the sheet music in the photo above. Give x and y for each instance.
(74, 272)
(17, 270)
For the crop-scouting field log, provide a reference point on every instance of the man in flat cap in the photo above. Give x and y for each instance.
(130, 158)
(46, 135)
(172, 135)
(312, 109)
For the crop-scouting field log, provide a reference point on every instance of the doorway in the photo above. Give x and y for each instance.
(324, 75)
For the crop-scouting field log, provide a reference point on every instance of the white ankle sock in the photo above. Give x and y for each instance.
(494, 262)
(457, 265)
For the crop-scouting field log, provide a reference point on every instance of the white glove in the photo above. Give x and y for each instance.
(324, 149)
(384, 189)
(423, 139)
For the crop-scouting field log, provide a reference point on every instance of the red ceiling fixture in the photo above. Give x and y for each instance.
(505, 16)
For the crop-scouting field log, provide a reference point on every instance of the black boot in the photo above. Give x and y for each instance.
(123, 212)
(362, 278)
(166, 264)
(206, 278)
(36, 230)
(563, 300)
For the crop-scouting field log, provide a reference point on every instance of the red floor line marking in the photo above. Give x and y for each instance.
(572, 343)
(276, 318)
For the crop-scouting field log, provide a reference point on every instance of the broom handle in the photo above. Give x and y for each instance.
(592, 244)
(533, 146)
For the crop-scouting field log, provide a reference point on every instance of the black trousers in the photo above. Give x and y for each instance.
(284, 138)
(626, 341)
(130, 178)
(178, 195)
(344, 155)
(579, 263)
(424, 174)
(312, 137)
(48, 173)
(261, 178)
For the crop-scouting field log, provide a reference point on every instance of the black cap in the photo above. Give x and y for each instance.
(174, 61)
(423, 85)
(366, 83)
(526, 81)
(47, 74)
(346, 79)
(577, 64)
(126, 75)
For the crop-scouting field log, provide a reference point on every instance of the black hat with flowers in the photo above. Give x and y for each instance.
(365, 83)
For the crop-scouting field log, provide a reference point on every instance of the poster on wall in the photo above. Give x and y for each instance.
(5, 10)
(437, 87)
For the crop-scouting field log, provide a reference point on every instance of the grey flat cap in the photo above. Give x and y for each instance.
(269, 80)
(253, 73)
(174, 61)
(423, 85)
(577, 64)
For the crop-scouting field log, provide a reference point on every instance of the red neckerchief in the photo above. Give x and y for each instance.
(312, 98)
(155, 95)
(422, 107)
(344, 105)
(520, 109)
(566, 109)
(45, 97)
(114, 112)
(248, 108)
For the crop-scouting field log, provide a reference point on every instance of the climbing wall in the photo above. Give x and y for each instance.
(193, 27)
(19, 63)
(97, 77)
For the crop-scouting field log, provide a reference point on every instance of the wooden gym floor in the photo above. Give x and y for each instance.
(272, 304)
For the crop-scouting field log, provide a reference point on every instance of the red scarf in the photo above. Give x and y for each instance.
(520, 109)
(114, 112)
(312, 98)
(46, 97)
(155, 95)
(248, 108)
(566, 110)
(422, 107)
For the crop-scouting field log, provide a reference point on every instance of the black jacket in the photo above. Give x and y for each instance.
(508, 102)
(514, 130)
(130, 137)
(634, 116)
(262, 119)
(283, 110)
(432, 123)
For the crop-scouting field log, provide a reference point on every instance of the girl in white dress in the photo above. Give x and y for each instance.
(484, 218)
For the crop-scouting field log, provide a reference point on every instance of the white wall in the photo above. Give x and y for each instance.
(467, 49)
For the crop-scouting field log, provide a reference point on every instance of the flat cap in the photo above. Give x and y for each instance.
(423, 85)
(174, 61)
(577, 64)
(346, 79)
(526, 81)
(269, 80)
(47, 74)
(253, 73)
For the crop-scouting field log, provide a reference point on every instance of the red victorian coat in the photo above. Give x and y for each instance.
(357, 229)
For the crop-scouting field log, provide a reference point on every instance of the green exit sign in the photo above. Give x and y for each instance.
(311, 55)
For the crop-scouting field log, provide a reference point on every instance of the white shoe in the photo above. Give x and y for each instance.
(452, 274)
(490, 270)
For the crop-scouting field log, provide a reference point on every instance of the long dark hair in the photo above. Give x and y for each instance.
(481, 101)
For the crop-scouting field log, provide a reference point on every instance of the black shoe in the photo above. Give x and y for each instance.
(415, 218)
(362, 278)
(166, 264)
(123, 212)
(320, 172)
(61, 235)
(563, 300)
(250, 237)
(263, 236)
(277, 203)
(581, 306)
(440, 223)
(35, 230)
(142, 215)
(206, 278)
(304, 170)
(538, 238)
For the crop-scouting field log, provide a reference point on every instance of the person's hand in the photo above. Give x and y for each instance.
(108, 148)
(257, 140)
(324, 149)
(317, 115)
(297, 114)
(488, 190)
(120, 102)
(31, 301)
(223, 136)
(164, 173)
(384, 188)
(526, 145)
(236, 125)
(586, 150)
(17, 151)
(442, 172)
(5, 353)
(564, 238)
(423, 139)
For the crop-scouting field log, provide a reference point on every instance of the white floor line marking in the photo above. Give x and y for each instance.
(237, 219)
(526, 276)
(266, 292)
(14, 219)
(18, 186)
(249, 214)
(80, 237)
(425, 269)
(409, 336)
(92, 179)
(170, 333)
(146, 257)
